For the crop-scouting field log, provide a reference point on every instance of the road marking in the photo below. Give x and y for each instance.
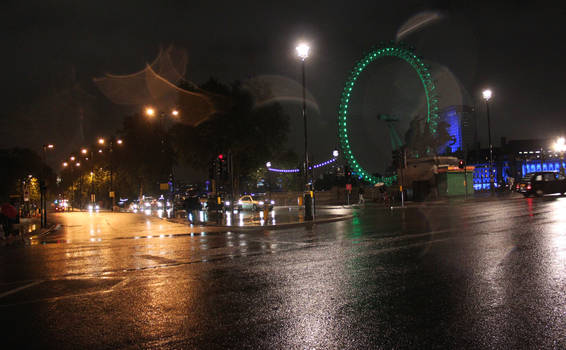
(15, 290)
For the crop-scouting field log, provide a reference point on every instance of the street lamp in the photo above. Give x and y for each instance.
(487, 96)
(560, 147)
(111, 150)
(173, 113)
(303, 53)
(43, 186)
(335, 153)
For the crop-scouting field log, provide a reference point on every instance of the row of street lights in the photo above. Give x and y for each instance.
(74, 162)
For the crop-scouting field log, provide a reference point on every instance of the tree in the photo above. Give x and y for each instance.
(17, 165)
(251, 134)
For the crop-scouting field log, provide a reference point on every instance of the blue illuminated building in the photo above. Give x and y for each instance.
(461, 128)
(515, 158)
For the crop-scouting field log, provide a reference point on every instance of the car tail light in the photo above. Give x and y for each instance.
(517, 186)
(529, 187)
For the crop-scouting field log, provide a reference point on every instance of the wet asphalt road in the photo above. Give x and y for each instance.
(481, 274)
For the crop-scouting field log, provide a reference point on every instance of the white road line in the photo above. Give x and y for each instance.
(15, 290)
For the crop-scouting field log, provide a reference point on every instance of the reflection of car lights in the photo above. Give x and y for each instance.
(159, 204)
(90, 208)
(147, 212)
(135, 211)
(160, 212)
(147, 204)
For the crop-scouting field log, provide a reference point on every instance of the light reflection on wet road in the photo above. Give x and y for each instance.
(482, 274)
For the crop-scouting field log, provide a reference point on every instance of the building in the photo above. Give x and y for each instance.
(462, 128)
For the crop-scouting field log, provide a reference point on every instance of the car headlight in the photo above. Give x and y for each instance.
(272, 202)
(227, 203)
(239, 202)
(97, 207)
(90, 207)
(159, 204)
(261, 203)
(147, 204)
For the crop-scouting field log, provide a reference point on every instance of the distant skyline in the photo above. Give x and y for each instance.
(56, 48)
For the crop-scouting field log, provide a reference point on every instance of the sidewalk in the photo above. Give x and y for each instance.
(28, 228)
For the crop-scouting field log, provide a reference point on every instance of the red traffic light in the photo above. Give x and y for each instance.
(461, 164)
(220, 156)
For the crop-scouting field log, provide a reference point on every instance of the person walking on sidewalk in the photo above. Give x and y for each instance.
(361, 199)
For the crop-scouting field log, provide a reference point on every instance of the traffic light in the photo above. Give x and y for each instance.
(347, 172)
(461, 164)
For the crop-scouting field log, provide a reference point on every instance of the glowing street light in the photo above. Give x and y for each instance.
(486, 94)
(560, 145)
(65, 164)
(119, 141)
(175, 113)
(72, 158)
(84, 151)
(303, 50)
(335, 153)
(101, 141)
(149, 111)
(268, 164)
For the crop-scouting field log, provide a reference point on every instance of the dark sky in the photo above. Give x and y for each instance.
(53, 49)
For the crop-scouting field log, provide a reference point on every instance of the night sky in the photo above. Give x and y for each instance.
(53, 50)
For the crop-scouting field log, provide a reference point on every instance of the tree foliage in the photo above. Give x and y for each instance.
(252, 135)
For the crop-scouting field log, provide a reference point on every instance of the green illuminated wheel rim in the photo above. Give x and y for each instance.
(405, 53)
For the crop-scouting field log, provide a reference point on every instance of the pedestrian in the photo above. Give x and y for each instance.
(8, 217)
(361, 199)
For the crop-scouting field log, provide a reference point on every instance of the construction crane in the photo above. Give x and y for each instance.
(390, 120)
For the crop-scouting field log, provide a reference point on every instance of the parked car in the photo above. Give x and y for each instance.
(248, 202)
(541, 183)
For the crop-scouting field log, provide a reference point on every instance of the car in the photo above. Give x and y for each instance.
(247, 202)
(541, 183)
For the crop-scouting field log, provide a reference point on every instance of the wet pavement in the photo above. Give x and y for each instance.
(477, 274)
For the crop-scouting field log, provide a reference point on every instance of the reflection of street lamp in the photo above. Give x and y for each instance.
(487, 96)
(303, 53)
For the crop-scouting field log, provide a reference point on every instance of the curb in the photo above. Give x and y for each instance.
(42, 232)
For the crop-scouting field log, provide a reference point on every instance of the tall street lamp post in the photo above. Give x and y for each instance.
(102, 142)
(303, 53)
(174, 114)
(43, 186)
(487, 96)
(560, 147)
